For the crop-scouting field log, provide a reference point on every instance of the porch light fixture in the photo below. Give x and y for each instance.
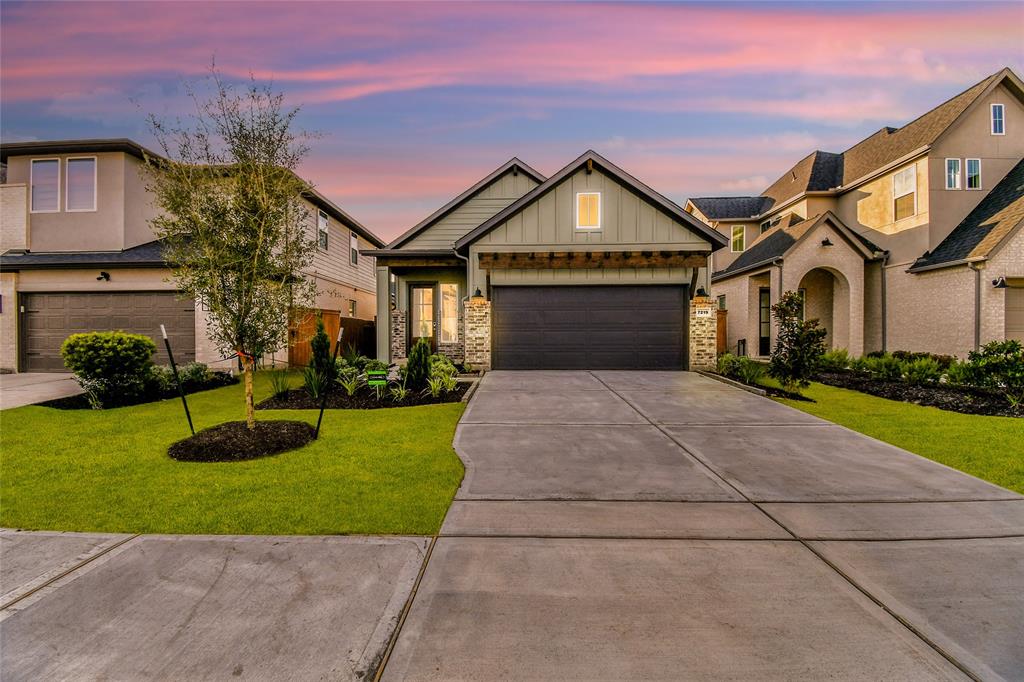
(826, 242)
(999, 283)
(477, 296)
(701, 292)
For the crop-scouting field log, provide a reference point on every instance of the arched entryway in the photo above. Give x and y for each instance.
(827, 298)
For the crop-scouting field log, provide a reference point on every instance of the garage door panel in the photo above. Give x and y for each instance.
(589, 327)
(51, 318)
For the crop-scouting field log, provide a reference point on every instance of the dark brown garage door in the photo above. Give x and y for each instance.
(589, 327)
(50, 318)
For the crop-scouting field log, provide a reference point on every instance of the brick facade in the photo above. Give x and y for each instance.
(397, 335)
(455, 351)
(478, 333)
(703, 332)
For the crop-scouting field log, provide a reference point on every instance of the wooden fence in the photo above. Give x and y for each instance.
(722, 338)
(360, 333)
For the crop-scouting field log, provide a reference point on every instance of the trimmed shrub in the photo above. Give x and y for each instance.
(113, 368)
(417, 369)
(727, 364)
(321, 359)
(834, 360)
(374, 365)
(922, 371)
(440, 365)
(800, 345)
(905, 356)
(960, 374)
(1000, 365)
(885, 366)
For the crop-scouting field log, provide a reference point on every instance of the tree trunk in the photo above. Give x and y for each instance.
(250, 407)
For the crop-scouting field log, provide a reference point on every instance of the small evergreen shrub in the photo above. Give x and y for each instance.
(417, 368)
(960, 374)
(834, 360)
(922, 371)
(321, 359)
(374, 365)
(113, 368)
(885, 366)
(800, 344)
(1000, 365)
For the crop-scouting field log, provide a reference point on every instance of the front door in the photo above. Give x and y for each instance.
(764, 321)
(422, 314)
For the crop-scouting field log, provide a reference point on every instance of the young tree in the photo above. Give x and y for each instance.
(234, 224)
(800, 345)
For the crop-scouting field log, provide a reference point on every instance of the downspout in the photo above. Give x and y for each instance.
(977, 304)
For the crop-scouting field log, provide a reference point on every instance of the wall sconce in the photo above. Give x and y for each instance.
(826, 242)
(104, 277)
(477, 296)
(999, 283)
(701, 292)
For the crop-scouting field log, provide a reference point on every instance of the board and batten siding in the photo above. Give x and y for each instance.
(484, 204)
(628, 223)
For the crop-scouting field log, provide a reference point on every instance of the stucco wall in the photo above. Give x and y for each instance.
(99, 230)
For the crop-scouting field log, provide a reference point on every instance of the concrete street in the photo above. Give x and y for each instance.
(611, 525)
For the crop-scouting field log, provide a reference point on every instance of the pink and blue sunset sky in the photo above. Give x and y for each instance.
(417, 101)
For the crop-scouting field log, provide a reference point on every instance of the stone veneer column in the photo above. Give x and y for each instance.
(397, 335)
(478, 333)
(703, 332)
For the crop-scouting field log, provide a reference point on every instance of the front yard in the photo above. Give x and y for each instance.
(371, 472)
(991, 448)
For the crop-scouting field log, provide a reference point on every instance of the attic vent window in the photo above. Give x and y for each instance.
(588, 211)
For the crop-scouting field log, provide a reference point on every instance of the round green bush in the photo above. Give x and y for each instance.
(112, 367)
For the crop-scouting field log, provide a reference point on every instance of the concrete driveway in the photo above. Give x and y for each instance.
(624, 525)
(31, 388)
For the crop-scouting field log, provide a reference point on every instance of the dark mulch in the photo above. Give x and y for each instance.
(365, 399)
(953, 398)
(80, 402)
(234, 442)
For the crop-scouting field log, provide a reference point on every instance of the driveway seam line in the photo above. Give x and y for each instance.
(405, 611)
(938, 649)
(69, 571)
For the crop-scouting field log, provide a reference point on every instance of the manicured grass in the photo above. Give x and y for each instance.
(991, 448)
(372, 471)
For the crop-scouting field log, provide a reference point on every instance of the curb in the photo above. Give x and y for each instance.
(733, 383)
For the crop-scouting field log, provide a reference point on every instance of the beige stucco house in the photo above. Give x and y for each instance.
(589, 268)
(78, 254)
(909, 240)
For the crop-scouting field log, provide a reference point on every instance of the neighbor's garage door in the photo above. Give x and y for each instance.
(50, 318)
(1015, 313)
(589, 327)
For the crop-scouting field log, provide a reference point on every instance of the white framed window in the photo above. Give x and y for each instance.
(973, 173)
(739, 240)
(904, 193)
(80, 184)
(321, 230)
(952, 173)
(449, 312)
(588, 210)
(44, 181)
(353, 248)
(998, 119)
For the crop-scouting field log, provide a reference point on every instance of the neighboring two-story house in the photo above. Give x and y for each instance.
(909, 240)
(587, 269)
(78, 254)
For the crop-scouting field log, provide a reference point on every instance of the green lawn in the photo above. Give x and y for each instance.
(372, 471)
(991, 448)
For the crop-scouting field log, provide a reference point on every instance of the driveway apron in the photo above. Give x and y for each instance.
(662, 525)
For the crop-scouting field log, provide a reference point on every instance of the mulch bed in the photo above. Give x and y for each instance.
(298, 399)
(953, 398)
(234, 442)
(80, 402)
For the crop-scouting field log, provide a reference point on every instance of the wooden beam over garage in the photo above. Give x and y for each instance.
(571, 260)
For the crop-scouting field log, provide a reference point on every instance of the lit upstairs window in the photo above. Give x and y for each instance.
(588, 211)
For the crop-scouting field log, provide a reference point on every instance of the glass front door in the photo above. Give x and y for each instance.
(764, 322)
(422, 314)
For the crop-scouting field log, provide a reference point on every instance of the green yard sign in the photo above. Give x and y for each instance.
(377, 377)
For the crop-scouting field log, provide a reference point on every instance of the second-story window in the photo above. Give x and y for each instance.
(739, 241)
(588, 211)
(973, 173)
(998, 119)
(80, 184)
(353, 247)
(904, 193)
(952, 173)
(321, 230)
(44, 178)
